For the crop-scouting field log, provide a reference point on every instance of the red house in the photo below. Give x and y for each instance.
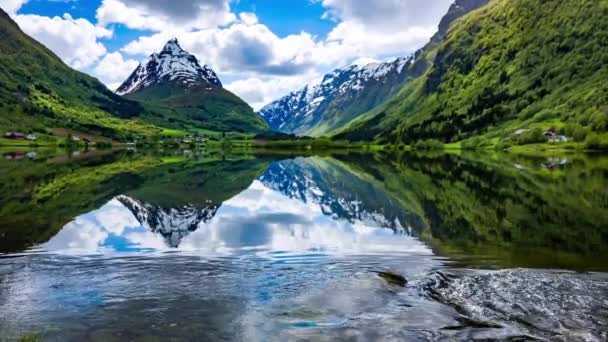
(15, 136)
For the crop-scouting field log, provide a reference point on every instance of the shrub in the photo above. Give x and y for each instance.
(472, 143)
(532, 136)
(596, 141)
(504, 144)
(102, 145)
(430, 144)
(575, 131)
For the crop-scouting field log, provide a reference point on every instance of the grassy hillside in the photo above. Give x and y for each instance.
(201, 107)
(37, 90)
(513, 64)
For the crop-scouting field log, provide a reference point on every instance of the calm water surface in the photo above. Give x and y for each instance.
(261, 247)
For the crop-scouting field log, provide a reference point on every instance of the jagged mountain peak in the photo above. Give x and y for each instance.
(172, 46)
(172, 64)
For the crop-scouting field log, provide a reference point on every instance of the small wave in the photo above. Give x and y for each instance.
(529, 304)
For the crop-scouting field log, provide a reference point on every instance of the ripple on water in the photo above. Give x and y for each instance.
(552, 305)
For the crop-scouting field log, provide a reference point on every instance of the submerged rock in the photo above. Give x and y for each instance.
(393, 279)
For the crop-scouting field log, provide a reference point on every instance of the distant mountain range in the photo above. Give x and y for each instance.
(342, 94)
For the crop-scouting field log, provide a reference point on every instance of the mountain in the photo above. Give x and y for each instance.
(339, 97)
(187, 95)
(38, 91)
(173, 224)
(513, 65)
(172, 64)
(345, 94)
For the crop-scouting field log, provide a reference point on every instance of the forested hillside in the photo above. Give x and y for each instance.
(38, 91)
(513, 65)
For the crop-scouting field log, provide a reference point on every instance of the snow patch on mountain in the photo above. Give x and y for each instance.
(349, 82)
(172, 64)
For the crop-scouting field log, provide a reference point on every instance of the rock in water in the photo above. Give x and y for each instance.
(393, 279)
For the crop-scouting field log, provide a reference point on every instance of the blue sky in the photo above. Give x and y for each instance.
(261, 49)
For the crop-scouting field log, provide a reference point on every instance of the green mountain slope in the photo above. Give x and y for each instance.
(513, 64)
(37, 90)
(345, 94)
(201, 106)
(183, 94)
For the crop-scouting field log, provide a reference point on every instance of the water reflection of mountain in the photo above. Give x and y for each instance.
(176, 200)
(505, 208)
(172, 223)
(40, 197)
(338, 192)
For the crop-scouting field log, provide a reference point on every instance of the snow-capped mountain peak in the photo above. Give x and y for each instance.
(297, 109)
(172, 64)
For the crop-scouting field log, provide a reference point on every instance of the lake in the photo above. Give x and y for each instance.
(263, 246)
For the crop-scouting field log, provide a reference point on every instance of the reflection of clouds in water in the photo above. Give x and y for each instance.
(80, 235)
(257, 218)
(112, 228)
(115, 218)
(261, 217)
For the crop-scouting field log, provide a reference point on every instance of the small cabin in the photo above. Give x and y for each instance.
(15, 136)
(87, 140)
(550, 133)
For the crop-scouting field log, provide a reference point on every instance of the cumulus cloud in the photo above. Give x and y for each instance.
(241, 47)
(161, 15)
(248, 18)
(11, 6)
(259, 91)
(113, 69)
(381, 28)
(74, 40)
(387, 14)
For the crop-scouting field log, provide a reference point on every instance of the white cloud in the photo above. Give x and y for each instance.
(113, 69)
(388, 14)
(11, 6)
(259, 91)
(382, 28)
(238, 48)
(351, 40)
(77, 237)
(248, 18)
(73, 40)
(159, 15)
(114, 218)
